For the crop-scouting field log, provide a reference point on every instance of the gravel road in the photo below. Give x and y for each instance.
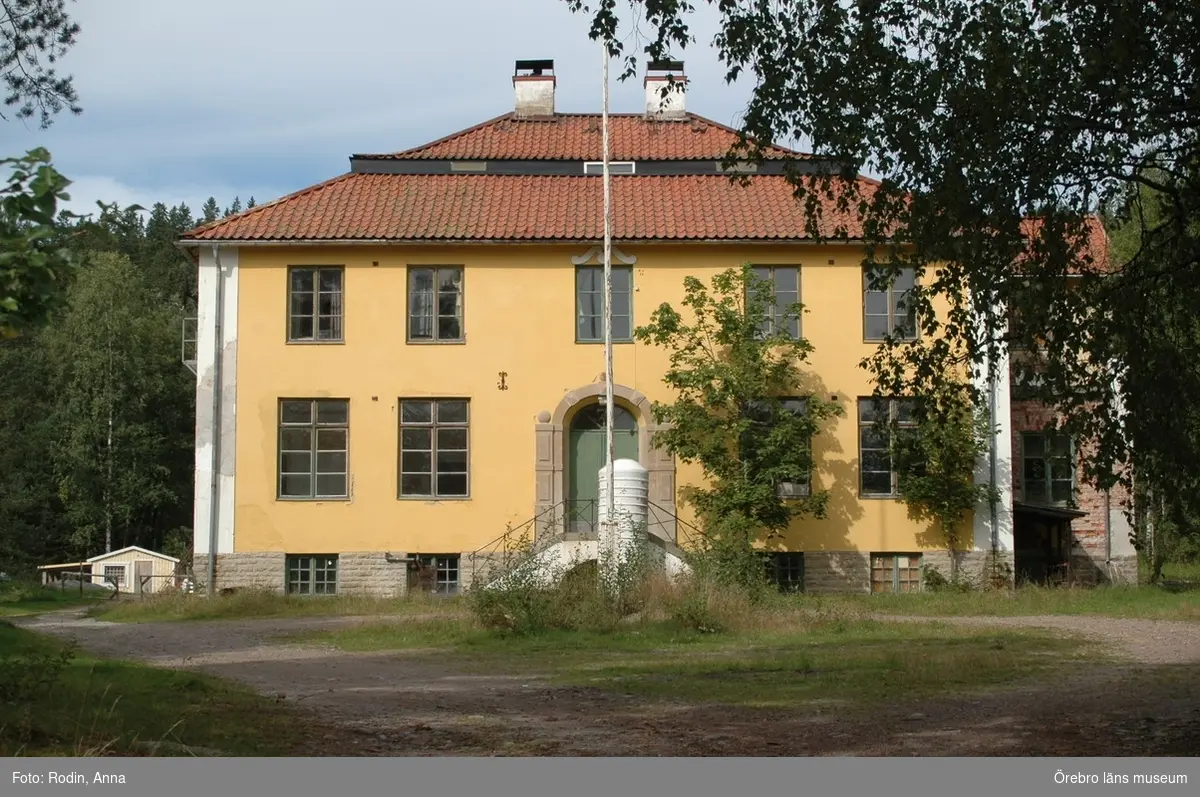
(1145, 701)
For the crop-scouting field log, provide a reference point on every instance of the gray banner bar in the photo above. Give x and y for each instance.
(601, 777)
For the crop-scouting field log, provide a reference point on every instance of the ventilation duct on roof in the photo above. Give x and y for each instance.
(666, 90)
(533, 84)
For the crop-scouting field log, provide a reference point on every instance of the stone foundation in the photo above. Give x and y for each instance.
(1088, 571)
(980, 569)
(375, 573)
(264, 570)
(825, 572)
(1123, 570)
(371, 573)
(828, 572)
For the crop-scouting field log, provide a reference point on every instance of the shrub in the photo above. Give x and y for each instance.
(936, 582)
(27, 677)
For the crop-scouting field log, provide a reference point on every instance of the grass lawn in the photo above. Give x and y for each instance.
(20, 597)
(245, 605)
(798, 662)
(96, 706)
(1115, 601)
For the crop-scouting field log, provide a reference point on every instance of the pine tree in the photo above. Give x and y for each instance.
(210, 212)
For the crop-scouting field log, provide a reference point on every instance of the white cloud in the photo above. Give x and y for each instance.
(264, 97)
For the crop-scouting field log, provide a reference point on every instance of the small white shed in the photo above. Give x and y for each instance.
(135, 570)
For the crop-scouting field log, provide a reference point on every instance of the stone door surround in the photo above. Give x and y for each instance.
(550, 453)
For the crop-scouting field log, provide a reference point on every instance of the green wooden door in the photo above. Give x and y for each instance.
(586, 458)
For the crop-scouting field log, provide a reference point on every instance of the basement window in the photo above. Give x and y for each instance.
(895, 572)
(785, 569)
(312, 575)
(437, 573)
(614, 167)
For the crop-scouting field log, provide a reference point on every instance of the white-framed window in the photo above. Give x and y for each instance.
(614, 167)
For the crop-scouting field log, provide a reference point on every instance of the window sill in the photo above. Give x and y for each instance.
(435, 499)
(879, 496)
(289, 499)
(601, 342)
(422, 342)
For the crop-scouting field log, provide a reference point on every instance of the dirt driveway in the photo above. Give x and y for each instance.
(397, 704)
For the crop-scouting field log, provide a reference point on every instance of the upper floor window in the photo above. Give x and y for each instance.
(886, 309)
(759, 414)
(589, 304)
(315, 304)
(876, 418)
(785, 292)
(435, 304)
(614, 167)
(1047, 468)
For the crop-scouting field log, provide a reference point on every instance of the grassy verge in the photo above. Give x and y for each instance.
(84, 706)
(1115, 601)
(788, 663)
(21, 597)
(1180, 571)
(258, 604)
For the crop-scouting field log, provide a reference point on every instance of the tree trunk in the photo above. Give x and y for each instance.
(108, 512)
(108, 482)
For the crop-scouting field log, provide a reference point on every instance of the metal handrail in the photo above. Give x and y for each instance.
(562, 515)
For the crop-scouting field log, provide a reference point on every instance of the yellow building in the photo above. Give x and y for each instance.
(409, 355)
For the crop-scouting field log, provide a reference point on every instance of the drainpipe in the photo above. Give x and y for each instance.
(214, 501)
(1108, 533)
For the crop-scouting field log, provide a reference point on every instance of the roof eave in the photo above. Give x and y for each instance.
(195, 243)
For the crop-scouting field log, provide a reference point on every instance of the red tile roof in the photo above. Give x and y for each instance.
(495, 207)
(577, 137)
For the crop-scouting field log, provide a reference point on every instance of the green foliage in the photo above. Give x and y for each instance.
(936, 460)
(121, 461)
(28, 677)
(210, 212)
(998, 132)
(731, 370)
(934, 581)
(30, 31)
(1156, 330)
(32, 529)
(34, 265)
(531, 591)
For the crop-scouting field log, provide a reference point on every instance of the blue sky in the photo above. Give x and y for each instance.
(263, 97)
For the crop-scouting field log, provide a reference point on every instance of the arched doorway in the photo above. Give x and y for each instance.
(586, 456)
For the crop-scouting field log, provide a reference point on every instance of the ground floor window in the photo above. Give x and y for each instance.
(312, 575)
(896, 572)
(114, 574)
(785, 569)
(437, 573)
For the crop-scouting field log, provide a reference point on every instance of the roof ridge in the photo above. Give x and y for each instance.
(736, 132)
(450, 137)
(510, 116)
(266, 205)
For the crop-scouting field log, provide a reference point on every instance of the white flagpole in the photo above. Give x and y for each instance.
(610, 502)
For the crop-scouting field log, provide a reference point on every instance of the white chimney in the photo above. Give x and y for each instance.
(665, 76)
(533, 82)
